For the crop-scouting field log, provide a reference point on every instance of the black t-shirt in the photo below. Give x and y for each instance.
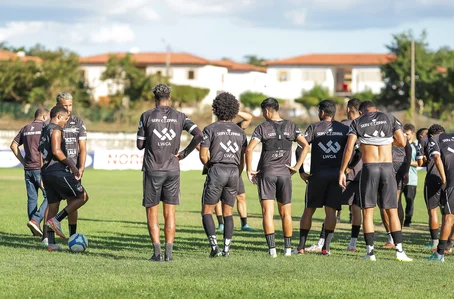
(273, 162)
(225, 141)
(375, 128)
(424, 151)
(328, 139)
(398, 154)
(443, 145)
(74, 131)
(50, 163)
(29, 136)
(353, 175)
(161, 129)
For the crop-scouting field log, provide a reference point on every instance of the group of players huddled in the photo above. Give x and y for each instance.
(359, 162)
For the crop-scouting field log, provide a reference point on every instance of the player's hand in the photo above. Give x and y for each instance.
(343, 180)
(305, 176)
(41, 183)
(178, 157)
(81, 173)
(252, 176)
(348, 170)
(443, 187)
(76, 173)
(406, 179)
(292, 169)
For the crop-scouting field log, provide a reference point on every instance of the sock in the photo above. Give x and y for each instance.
(169, 247)
(390, 238)
(397, 238)
(243, 221)
(303, 238)
(441, 247)
(210, 230)
(61, 215)
(156, 249)
(50, 236)
(220, 219)
(328, 238)
(369, 238)
(434, 236)
(228, 232)
(321, 240)
(287, 242)
(353, 242)
(270, 241)
(355, 231)
(72, 229)
(449, 245)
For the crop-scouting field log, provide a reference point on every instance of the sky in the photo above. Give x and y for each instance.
(215, 29)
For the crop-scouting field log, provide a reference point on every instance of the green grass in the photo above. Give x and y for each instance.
(116, 265)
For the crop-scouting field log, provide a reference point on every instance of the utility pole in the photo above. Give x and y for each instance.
(412, 88)
(168, 53)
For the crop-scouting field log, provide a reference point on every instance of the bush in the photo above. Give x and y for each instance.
(314, 96)
(254, 99)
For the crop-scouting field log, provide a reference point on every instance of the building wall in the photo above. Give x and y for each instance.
(99, 88)
(367, 77)
(237, 82)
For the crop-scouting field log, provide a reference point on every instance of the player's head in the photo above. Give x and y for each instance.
(59, 115)
(161, 93)
(435, 130)
(353, 108)
(410, 131)
(366, 107)
(326, 109)
(65, 99)
(41, 114)
(225, 106)
(269, 107)
(421, 133)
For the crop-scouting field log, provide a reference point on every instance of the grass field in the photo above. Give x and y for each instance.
(116, 265)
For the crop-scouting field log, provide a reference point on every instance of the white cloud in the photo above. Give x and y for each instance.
(119, 33)
(297, 17)
(18, 29)
(201, 7)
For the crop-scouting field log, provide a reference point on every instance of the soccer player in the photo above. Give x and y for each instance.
(328, 138)
(222, 152)
(441, 149)
(273, 175)
(29, 137)
(58, 181)
(376, 132)
(159, 134)
(432, 184)
(409, 190)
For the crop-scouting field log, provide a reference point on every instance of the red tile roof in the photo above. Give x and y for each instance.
(235, 66)
(335, 59)
(148, 58)
(7, 55)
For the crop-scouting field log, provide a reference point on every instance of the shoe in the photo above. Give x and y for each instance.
(54, 247)
(430, 246)
(215, 252)
(168, 258)
(351, 248)
(156, 258)
(55, 225)
(221, 227)
(35, 228)
(370, 258)
(247, 228)
(298, 251)
(45, 242)
(325, 253)
(407, 224)
(272, 253)
(388, 246)
(314, 249)
(287, 252)
(436, 257)
(225, 254)
(401, 256)
(447, 251)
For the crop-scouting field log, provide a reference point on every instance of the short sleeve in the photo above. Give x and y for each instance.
(419, 151)
(298, 152)
(244, 140)
(296, 131)
(82, 130)
(206, 140)
(397, 125)
(19, 137)
(309, 134)
(353, 130)
(188, 124)
(141, 129)
(258, 133)
(434, 148)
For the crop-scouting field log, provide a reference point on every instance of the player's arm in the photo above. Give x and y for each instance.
(251, 174)
(15, 148)
(242, 159)
(421, 158)
(60, 155)
(140, 142)
(399, 138)
(351, 141)
(204, 155)
(356, 157)
(196, 138)
(301, 140)
(440, 167)
(82, 147)
(407, 160)
(246, 119)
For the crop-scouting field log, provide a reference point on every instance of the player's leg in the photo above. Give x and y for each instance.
(241, 206)
(410, 194)
(39, 215)
(227, 210)
(154, 231)
(356, 227)
(432, 194)
(369, 234)
(33, 183)
(170, 197)
(447, 206)
(386, 225)
(152, 187)
(332, 203)
(228, 196)
(218, 211)
(400, 208)
(284, 200)
(450, 244)
(330, 226)
(267, 194)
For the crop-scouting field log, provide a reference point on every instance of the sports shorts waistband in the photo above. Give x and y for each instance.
(378, 164)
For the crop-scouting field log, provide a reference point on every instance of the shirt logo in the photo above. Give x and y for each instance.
(32, 128)
(451, 150)
(330, 147)
(230, 147)
(165, 134)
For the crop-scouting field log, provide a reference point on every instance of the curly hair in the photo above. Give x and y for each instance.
(436, 129)
(162, 92)
(225, 106)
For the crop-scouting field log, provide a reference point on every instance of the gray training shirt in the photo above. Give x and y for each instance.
(29, 136)
(443, 145)
(74, 131)
(375, 128)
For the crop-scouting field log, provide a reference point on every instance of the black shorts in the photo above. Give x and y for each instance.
(432, 191)
(275, 187)
(447, 201)
(323, 190)
(350, 195)
(161, 186)
(61, 186)
(221, 184)
(399, 169)
(378, 185)
(241, 189)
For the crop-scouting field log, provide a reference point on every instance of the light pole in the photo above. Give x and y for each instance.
(412, 94)
(167, 58)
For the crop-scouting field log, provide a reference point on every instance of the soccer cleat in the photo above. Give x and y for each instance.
(45, 242)
(389, 246)
(35, 228)
(55, 225)
(168, 258)
(370, 258)
(221, 227)
(298, 251)
(247, 228)
(430, 246)
(314, 249)
(156, 258)
(436, 257)
(325, 253)
(226, 254)
(215, 252)
(351, 248)
(402, 257)
(272, 253)
(54, 247)
(287, 252)
(447, 251)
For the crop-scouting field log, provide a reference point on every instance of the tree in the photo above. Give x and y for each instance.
(314, 96)
(254, 60)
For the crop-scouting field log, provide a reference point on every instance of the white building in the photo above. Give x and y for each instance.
(342, 74)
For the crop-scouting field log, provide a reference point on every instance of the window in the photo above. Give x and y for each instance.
(283, 76)
(159, 73)
(318, 77)
(191, 75)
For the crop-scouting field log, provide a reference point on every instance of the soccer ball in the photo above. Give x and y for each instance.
(77, 243)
